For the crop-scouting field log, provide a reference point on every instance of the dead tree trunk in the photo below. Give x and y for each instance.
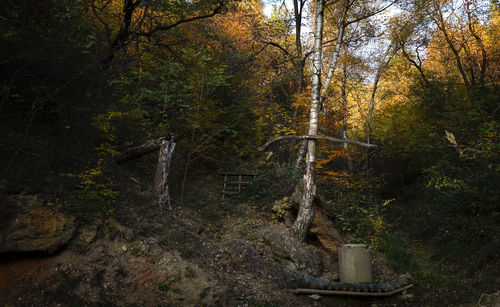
(160, 185)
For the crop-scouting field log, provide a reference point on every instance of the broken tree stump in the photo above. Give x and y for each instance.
(160, 184)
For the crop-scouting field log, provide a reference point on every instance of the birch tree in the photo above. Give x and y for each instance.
(306, 209)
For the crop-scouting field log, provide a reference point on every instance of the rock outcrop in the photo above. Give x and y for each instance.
(322, 225)
(283, 245)
(36, 228)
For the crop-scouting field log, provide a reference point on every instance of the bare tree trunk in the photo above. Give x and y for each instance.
(298, 6)
(129, 7)
(370, 115)
(344, 116)
(306, 210)
(160, 185)
(442, 26)
(344, 103)
(483, 65)
(389, 54)
(301, 153)
(334, 57)
(333, 65)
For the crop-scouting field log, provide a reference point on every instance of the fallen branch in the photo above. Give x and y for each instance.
(314, 137)
(139, 151)
(160, 184)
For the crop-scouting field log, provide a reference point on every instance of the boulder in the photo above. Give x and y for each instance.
(283, 245)
(36, 229)
(322, 225)
(490, 300)
(325, 231)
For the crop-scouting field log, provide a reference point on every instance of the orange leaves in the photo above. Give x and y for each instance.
(239, 25)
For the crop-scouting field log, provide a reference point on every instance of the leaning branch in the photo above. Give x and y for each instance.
(313, 137)
(139, 151)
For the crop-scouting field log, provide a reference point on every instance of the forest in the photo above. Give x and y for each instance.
(215, 152)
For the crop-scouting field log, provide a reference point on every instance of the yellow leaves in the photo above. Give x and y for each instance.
(105, 149)
(280, 207)
(95, 185)
(303, 100)
(335, 174)
(103, 122)
(239, 25)
(274, 118)
(325, 158)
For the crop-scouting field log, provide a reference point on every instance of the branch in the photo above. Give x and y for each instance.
(306, 56)
(106, 26)
(314, 137)
(123, 35)
(370, 14)
(277, 46)
(139, 151)
(215, 11)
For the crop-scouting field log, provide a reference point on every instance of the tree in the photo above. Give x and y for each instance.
(143, 21)
(306, 210)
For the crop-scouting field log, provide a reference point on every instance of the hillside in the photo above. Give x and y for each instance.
(349, 121)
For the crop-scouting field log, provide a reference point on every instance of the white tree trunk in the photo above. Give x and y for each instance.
(344, 104)
(334, 58)
(160, 185)
(298, 6)
(306, 210)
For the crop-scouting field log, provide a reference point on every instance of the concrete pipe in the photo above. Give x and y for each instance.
(355, 263)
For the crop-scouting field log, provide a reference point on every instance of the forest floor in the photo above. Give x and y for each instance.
(209, 252)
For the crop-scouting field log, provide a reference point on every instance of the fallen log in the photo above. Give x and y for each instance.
(139, 151)
(160, 184)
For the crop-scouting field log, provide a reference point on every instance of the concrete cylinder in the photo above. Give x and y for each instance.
(355, 263)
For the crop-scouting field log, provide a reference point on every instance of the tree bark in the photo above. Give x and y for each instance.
(334, 57)
(344, 103)
(301, 153)
(306, 210)
(298, 6)
(344, 116)
(368, 131)
(160, 185)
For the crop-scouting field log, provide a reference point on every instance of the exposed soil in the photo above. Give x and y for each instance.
(196, 256)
